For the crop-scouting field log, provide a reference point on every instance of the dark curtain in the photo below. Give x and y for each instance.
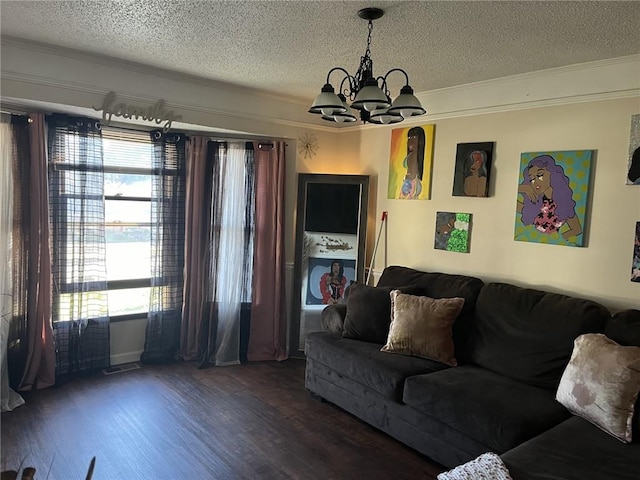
(32, 264)
(197, 223)
(267, 339)
(17, 337)
(162, 340)
(80, 310)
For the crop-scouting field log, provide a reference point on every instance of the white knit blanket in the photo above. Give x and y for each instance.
(487, 466)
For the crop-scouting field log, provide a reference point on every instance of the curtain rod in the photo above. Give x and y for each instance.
(9, 109)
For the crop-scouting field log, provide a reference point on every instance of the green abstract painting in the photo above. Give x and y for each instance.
(452, 231)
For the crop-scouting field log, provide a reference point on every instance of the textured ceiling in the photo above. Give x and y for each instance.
(287, 47)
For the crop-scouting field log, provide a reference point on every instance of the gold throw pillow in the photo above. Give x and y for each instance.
(422, 326)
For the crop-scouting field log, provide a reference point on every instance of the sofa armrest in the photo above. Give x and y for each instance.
(332, 318)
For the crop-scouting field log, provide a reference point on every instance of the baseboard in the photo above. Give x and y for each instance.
(128, 357)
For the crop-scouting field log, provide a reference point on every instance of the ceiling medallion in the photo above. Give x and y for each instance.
(368, 94)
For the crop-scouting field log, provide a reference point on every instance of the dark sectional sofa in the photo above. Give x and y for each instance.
(512, 345)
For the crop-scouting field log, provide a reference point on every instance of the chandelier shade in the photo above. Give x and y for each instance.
(327, 103)
(369, 95)
(385, 117)
(341, 117)
(407, 104)
(370, 98)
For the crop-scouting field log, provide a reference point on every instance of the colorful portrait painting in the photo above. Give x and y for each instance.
(552, 197)
(452, 231)
(473, 167)
(633, 172)
(635, 265)
(410, 162)
(329, 279)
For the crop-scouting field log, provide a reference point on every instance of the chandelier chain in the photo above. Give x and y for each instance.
(367, 53)
(368, 94)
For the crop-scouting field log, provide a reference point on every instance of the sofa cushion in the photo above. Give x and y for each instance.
(441, 285)
(574, 450)
(369, 312)
(364, 363)
(528, 334)
(601, 384)
(422, 326)
(624, 328)
(488, 407)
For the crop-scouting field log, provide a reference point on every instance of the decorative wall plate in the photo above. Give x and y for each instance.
(307, 145)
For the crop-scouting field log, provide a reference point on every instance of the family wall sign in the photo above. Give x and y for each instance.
(155, 113)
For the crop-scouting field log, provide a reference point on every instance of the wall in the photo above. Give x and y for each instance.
(600, 270)
(40, 77)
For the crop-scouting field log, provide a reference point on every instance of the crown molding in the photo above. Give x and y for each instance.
(39, 72)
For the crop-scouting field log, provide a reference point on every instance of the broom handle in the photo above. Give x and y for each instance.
(375, 248)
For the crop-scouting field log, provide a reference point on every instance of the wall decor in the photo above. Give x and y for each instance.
(308, 145)
(635, 265)
(328, 279)
(633, 172)
(452, 231)
(473, 168)
(410, 162)
(156, 113)
(552, 197)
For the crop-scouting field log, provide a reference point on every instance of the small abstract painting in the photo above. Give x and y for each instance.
(452, 231)
(633, 172)
(410, 162)
(552, 197)
(328, 279)
(473, 167)
(635, 266)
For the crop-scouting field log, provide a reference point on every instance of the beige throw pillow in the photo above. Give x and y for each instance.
(601, 383)
(422, 326)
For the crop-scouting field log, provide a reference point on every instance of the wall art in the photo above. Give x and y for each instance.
(410, 162)
(635, 264)
(328, 279)
(552, 197)
(633, 172)
(452, 231)
(473, 168)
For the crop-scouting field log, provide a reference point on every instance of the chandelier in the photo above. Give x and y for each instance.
(367, 94)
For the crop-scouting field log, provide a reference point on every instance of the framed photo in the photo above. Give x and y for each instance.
(328, 279)
(473, 168)
(552, 197)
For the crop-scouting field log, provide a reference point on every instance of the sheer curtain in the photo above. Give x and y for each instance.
(162, 340)
(9, 399)
(231, 261)
(80, 311)
(219, 268)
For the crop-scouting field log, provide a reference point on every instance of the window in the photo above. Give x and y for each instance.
(128, 176)
(101, 184)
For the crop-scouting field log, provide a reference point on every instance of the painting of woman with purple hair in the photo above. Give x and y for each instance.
(551, 205)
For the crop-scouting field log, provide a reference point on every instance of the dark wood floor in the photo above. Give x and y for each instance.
(176, 422)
